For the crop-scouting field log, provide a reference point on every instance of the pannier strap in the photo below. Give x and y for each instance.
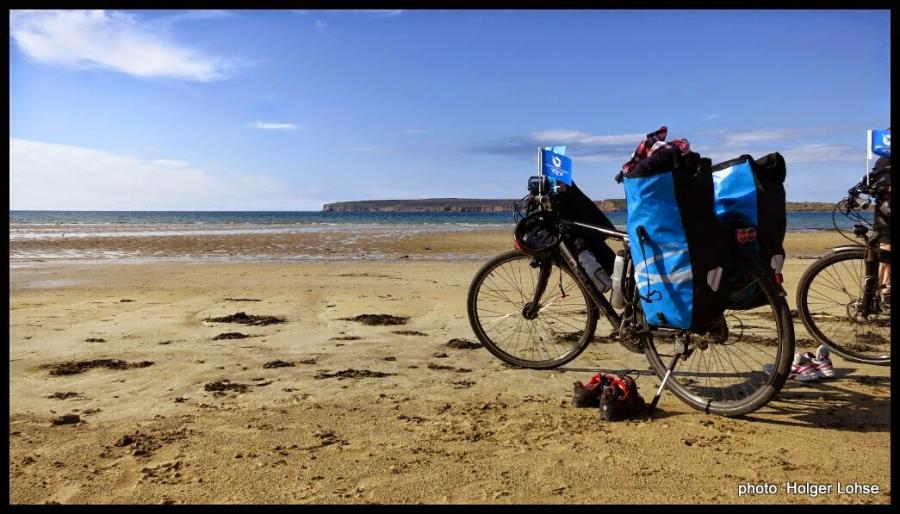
(649, 297)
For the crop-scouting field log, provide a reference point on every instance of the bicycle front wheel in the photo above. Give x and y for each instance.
(744, 360)
(561, 330)
(832, 306)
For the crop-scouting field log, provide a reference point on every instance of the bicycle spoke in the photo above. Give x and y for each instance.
(836, 309)
(561, 320)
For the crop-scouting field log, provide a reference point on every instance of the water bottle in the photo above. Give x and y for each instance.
(616, 298)
(594, 270)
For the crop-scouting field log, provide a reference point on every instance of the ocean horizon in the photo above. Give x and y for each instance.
(36, 223)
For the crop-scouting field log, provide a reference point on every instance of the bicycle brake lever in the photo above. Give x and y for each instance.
(847, 205)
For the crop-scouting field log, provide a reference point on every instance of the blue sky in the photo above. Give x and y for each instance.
(286, 110)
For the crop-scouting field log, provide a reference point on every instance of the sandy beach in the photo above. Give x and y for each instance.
(318, 408)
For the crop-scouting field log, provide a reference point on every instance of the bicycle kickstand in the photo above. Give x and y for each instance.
(680, 350)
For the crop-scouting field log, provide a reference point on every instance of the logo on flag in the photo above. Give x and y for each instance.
(880, 142)
(557, 166)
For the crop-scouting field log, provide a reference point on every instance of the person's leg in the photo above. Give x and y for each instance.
(884, 276)
(883, 225)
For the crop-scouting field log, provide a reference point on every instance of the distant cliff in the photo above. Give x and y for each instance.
(425, 205)
(443, 205)
(810, 206)
(494, 205)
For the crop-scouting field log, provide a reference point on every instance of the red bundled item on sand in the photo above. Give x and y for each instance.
(587, 395)
(616, 395)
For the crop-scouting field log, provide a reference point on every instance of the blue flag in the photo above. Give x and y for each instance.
(557, 166)
(881, 142)
(561, 150)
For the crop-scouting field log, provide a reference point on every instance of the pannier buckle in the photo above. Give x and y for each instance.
(745, 235)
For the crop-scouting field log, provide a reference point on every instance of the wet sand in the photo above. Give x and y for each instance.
(368, 244)
(320, 407)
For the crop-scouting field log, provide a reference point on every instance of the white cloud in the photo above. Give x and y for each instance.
(822, 153)
(758, 136)
(575, 137)
(110, 40)
(319, 24)
(191, 15)
(171, 163)
(718, 145)
(620, 157)
(374, 13)
(48, 176)
(379, 13)
(581, 145)
(812, 153)
(791, 143)
(266, 125)
(415, 131)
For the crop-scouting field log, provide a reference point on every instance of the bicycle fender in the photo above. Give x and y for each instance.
(848, 248)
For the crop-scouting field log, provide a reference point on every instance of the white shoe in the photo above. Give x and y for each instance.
(803, 369)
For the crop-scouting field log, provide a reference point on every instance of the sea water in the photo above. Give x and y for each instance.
(36, 226)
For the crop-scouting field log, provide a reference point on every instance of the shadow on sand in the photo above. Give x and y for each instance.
(820, 404)
(826, 404)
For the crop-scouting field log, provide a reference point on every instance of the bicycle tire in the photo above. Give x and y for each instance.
(472, 304)
(816, 269)
(774, 379)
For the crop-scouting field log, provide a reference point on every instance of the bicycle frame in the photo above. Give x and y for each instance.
(599, 301)
(539, 190)
(628, 286)
(596, 296)
(872, 260)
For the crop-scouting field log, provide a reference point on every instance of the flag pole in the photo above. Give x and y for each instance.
(541, 161)
(868, 153)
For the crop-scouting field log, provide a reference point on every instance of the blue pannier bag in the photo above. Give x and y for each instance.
(750, 193)
(677, 243)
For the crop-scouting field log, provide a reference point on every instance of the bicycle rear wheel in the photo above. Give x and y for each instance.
(564, 324)
(830, 305)
(744, 362)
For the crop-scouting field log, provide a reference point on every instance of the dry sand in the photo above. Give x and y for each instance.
(400, 428)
